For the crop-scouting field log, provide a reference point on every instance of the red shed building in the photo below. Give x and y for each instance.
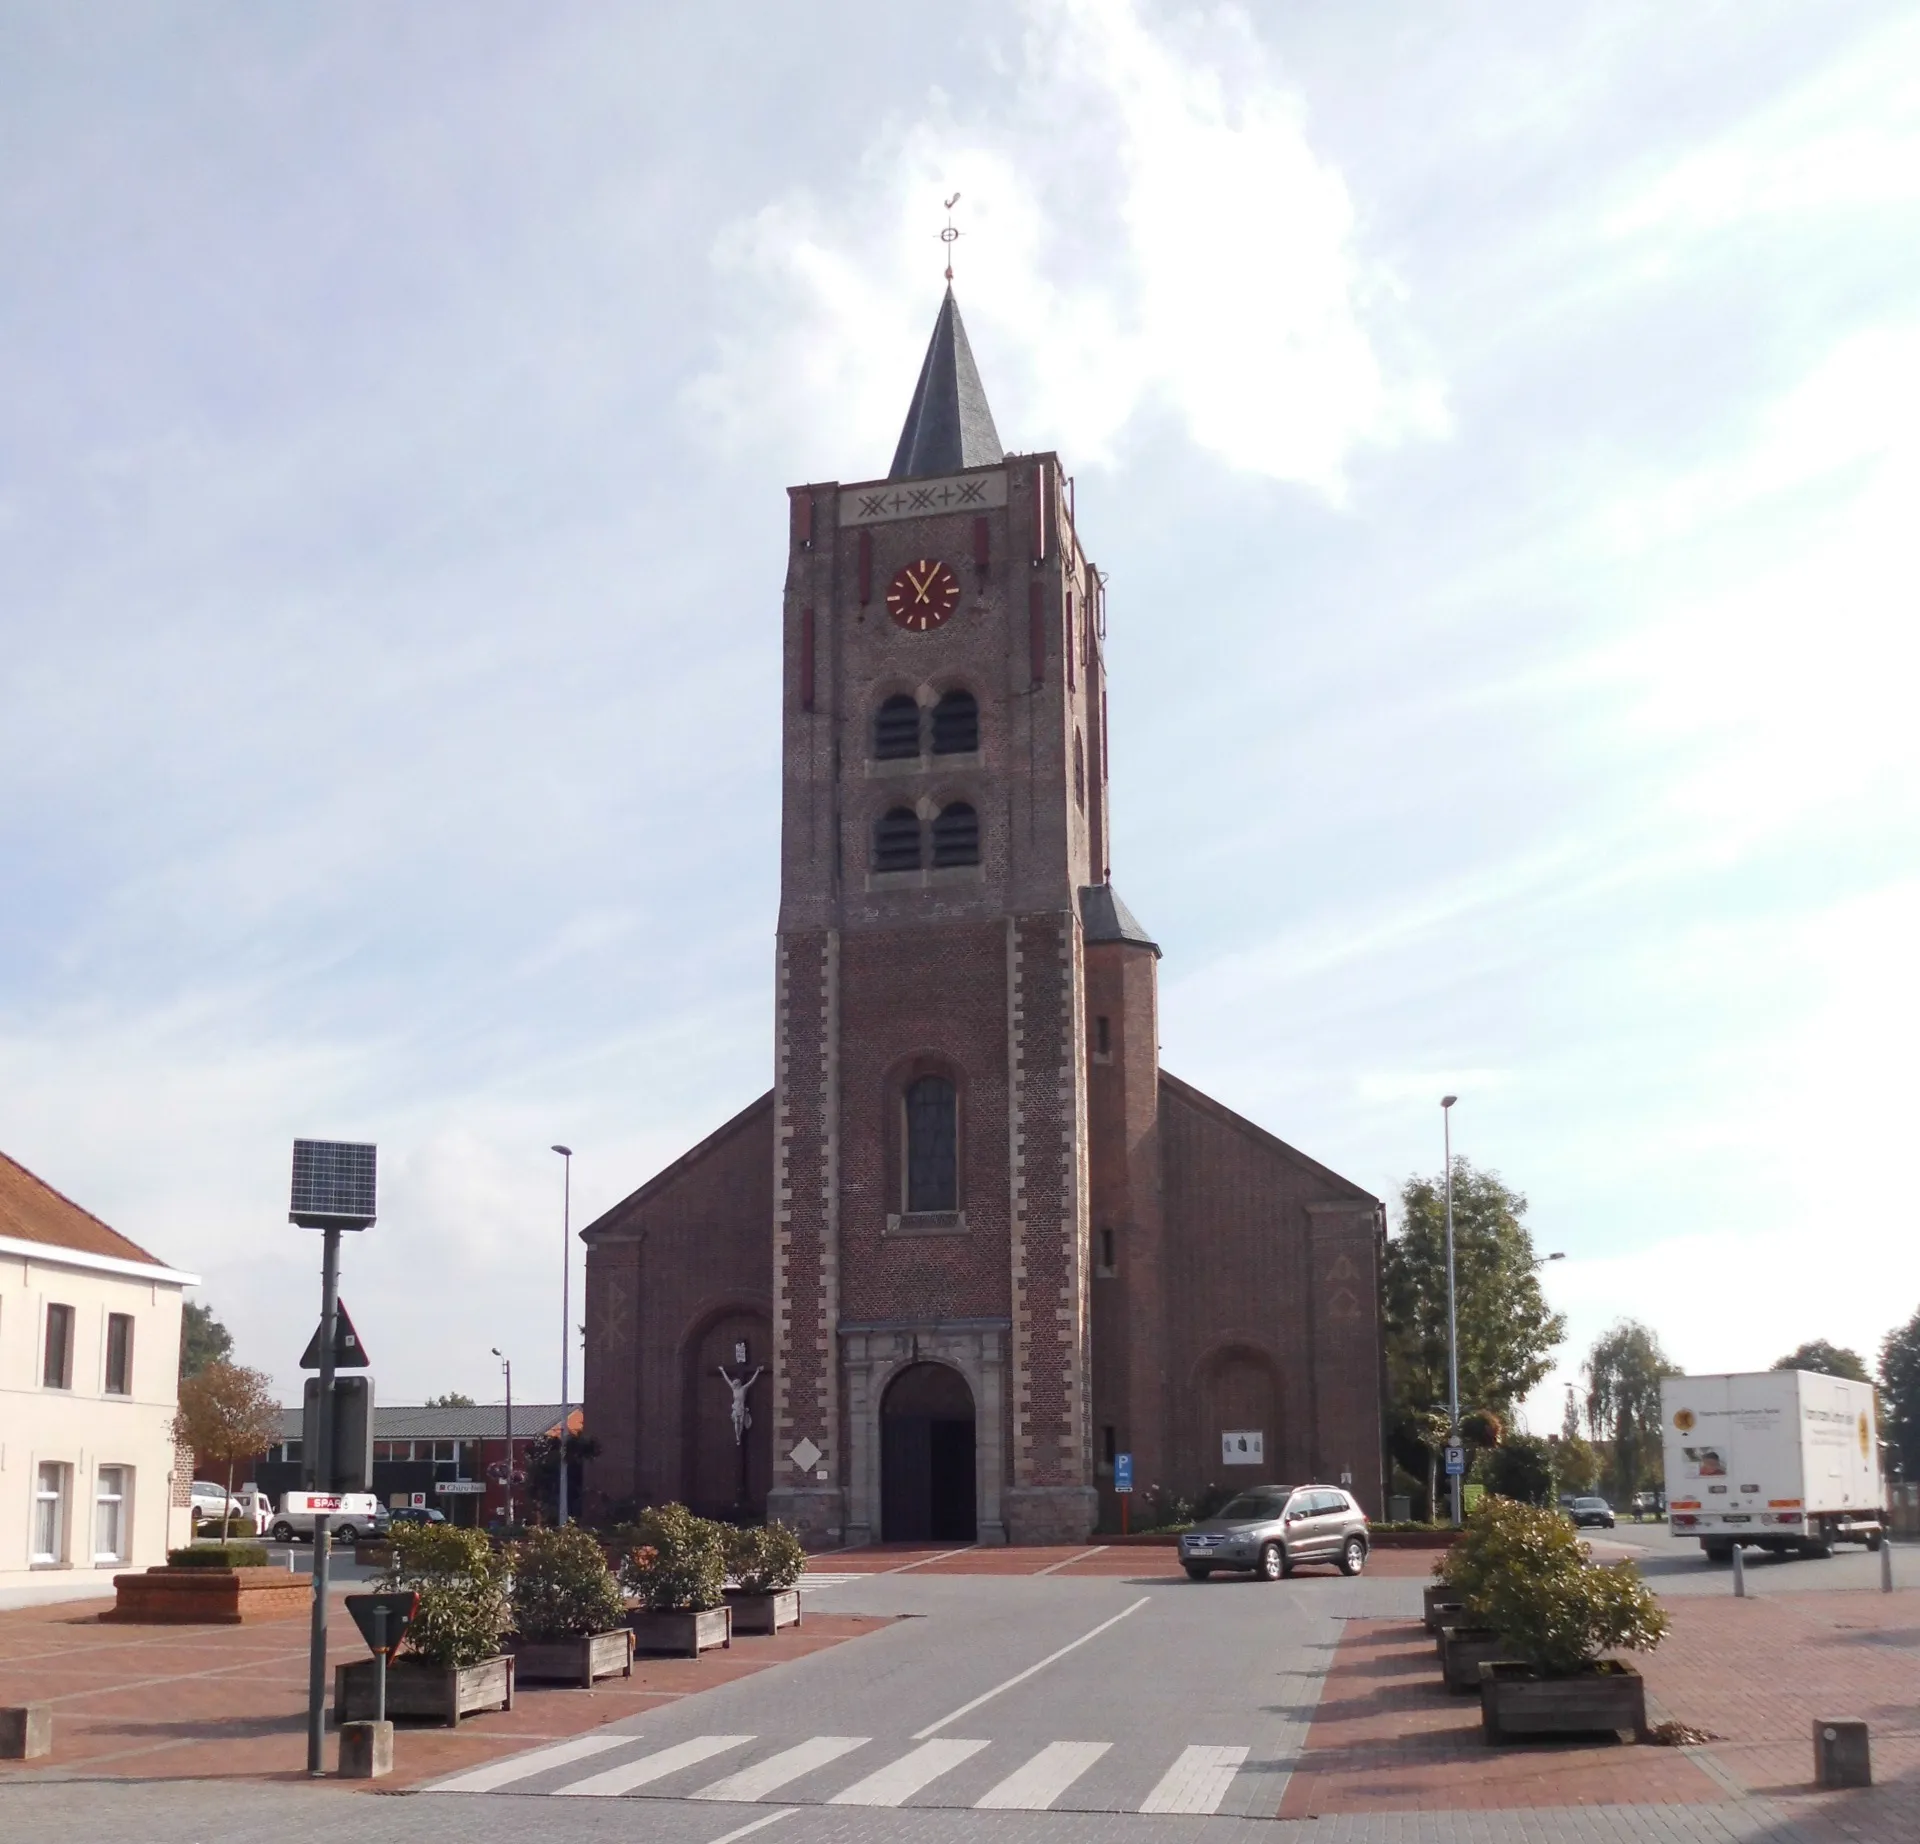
(974, 1242)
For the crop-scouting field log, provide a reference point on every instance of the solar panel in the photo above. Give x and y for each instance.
(333, 1184)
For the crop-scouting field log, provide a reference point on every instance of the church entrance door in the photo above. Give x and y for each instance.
(926, 1457)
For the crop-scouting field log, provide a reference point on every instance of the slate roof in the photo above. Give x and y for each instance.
(1103, 917)
(485, 1421)
(33, 1211)
(949, 426)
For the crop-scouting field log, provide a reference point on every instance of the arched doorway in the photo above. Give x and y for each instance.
(926, 1457)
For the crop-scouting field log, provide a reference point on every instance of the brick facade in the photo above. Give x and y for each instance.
(1243, 1278)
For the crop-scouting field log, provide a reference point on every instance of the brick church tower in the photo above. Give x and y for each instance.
(975, 1241)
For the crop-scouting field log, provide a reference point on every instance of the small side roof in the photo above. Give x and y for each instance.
(1103, 917)
(31, 1210)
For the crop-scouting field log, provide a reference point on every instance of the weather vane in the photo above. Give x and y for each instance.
(950, 236)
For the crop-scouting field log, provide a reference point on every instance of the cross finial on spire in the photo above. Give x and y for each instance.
(950, 236)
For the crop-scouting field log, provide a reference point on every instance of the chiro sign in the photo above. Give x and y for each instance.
(1243, 1447)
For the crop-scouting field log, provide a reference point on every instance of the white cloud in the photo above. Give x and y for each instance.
(1147, 228)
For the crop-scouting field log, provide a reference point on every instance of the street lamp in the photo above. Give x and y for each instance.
(506, 1364)
(566, 1274)
(1453, 1323)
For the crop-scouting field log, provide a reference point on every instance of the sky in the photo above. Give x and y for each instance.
(1500, 426)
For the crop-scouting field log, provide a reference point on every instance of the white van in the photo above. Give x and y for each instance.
(349, 1515)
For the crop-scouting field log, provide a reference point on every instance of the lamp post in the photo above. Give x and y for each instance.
(566, 1274)
(506, 1364)
(1453, 1322)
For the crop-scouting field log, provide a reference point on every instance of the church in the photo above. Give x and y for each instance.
(974, 1245)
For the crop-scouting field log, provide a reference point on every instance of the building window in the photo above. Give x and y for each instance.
(896, 729)
(57, 1371)
(49, 1515)
(1109, 1443)
(1104, 1265)
(956, 724)
(1102, 1036)
(933, 1174)
(110, 1514)
(119, 1354)
(896, 841)
(956, 836)
(1079, 772)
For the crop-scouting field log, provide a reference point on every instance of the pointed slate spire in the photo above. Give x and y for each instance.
(949, 426)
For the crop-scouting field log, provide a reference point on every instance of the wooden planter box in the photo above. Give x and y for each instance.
(440, 1693)
(575, 1661)
(208, 1597)
(1435, 1596)
(764, 1613)
(685, 1635)
(1514, 1702)
(1462, 1649)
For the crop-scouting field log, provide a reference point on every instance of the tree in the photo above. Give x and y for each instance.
(1507, 1333)
(1521, 1467)
(1900, 1395)
(1828, 1360)
(227, 1414)
(451, 1400)
(203, 1339)
(1575, 1464)
(1624, 1370)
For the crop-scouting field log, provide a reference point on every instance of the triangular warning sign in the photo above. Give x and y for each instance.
(348, 1352)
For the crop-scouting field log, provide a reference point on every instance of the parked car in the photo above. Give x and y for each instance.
(211, 1501)
(1595, 1511)
(416, 1514)
(1270, 1529)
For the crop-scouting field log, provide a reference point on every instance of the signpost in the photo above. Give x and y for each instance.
(383, 1620)
(1123, 1484)
(333, 1189)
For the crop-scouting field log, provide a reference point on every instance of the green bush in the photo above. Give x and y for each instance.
(219, 1556)
(1521, 1467)
(562, 1587)
(679, 1563)
(766, 1558)
(461, 1580)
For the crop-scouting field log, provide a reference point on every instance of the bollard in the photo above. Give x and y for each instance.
(26, 1731)
(366, 1750)
(1886, 1563)
(1739, 1571)
(1841, 1756)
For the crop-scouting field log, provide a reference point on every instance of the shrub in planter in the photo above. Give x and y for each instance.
(461, 1580)
(219, 1556)
(679, 1564)
(1560, 1620)
(763, 1559)
(1500, 1539)
(562, 1587)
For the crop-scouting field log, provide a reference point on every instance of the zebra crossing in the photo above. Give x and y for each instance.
(1067, 1775)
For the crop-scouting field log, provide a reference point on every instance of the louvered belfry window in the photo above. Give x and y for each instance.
(956, 724)
(956, 836)
(896, 840)
(933, 1137)
(896, 729)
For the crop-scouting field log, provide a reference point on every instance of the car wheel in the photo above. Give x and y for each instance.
(1273, 1563)
(1197, 1571)
(1718, 1552)
(283, 1533)
(347, 1533)
(1353, 1557)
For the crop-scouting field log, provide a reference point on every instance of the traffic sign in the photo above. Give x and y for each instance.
(1456, 1462)
(348, 1352)
(383, 1619)
(1123, 1472)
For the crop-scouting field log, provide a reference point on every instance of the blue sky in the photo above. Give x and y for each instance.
(1498, 425)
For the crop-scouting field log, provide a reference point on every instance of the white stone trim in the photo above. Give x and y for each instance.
(53, 1255)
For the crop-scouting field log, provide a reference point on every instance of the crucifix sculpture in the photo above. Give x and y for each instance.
(742, 1415)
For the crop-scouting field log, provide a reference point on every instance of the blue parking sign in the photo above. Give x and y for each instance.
(1123, 1472)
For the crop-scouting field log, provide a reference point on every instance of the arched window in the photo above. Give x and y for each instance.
(896, 840)
(933, 1139)
(956, 724)
(896, 729)
(956, 835)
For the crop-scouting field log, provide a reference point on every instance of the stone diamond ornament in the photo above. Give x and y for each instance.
(804, 1455)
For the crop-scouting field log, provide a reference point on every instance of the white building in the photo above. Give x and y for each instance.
(89, 1382)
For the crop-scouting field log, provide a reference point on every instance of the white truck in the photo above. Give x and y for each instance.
(1782, 1460)
(349, 1515)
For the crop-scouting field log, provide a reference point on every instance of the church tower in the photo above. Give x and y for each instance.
(944, 806)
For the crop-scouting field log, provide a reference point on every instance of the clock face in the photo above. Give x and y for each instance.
(923, 595)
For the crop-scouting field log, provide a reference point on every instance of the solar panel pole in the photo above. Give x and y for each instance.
(322, 1471)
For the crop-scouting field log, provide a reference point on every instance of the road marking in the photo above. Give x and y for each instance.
(937, 1556)
(1197, 1782)
(1034, 1787)
(525, 1766)
(1099, 1549)
(987, 1696)
(899, 1780)
(757, 1824)
(768, 1776)
(629, 1774)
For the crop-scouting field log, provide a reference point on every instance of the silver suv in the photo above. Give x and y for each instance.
(1269, 1529)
